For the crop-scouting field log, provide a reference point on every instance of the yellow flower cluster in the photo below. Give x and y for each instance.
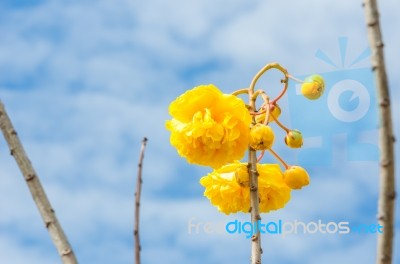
(208, 127)
(226, 191)
(214, 129)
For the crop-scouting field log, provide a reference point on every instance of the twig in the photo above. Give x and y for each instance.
(256, 249)
(54, 228)
(137, 202)
(387, 191)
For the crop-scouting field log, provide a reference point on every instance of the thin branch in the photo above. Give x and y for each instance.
(54, 228)
(137, 202)
(256, 249)
(387, 192)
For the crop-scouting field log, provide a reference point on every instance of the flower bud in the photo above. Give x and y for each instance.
(275, 111)
(261, 137)
(294, 139)
(296, 177)
(242, 176)
(313, 87)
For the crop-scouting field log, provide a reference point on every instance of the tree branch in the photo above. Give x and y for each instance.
(54, 228)
(386, 138)
(137, 202)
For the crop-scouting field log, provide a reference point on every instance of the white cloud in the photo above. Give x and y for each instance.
(13, 251)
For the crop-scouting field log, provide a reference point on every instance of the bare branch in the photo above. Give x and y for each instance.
(137, 202)
(256, 249)
(54, 228)
(387, 191)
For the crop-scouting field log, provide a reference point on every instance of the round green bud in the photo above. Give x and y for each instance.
(294, 139)
(313, 87)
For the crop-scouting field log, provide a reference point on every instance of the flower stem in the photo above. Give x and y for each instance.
(253, 175)
(280, 124)
(240, 91)
(279, 158)
(252, 165)
(267, 109)
(254, 204)
(295, 79)
(267, 67)
(286, 81)
(261, 156)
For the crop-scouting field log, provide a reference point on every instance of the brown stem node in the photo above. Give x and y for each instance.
(66, 252)
(30, 177)
(392, 195)
(385, 102)
(386, 163)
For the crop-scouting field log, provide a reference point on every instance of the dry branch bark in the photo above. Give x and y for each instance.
(387, 191)
(54, 228)
(137, 202)
(256, 249)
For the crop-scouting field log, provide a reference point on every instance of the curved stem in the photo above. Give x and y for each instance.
(286, 81)
(278, 158)
(280, 124)
(241, 91)
(261, 156)
(295, 79)
(267, 67)
(267, 110)
(256, 94)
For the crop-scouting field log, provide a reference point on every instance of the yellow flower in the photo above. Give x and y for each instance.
(261, 137)
(294, 139)
(208, 127)
(242, 175)
(313, 87)
(273, 192)
(224, 189)
(224, 192)
(296, 177)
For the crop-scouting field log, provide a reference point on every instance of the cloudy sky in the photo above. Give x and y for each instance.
(85, 81)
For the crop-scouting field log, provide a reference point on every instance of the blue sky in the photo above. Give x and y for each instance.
(84, 81)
